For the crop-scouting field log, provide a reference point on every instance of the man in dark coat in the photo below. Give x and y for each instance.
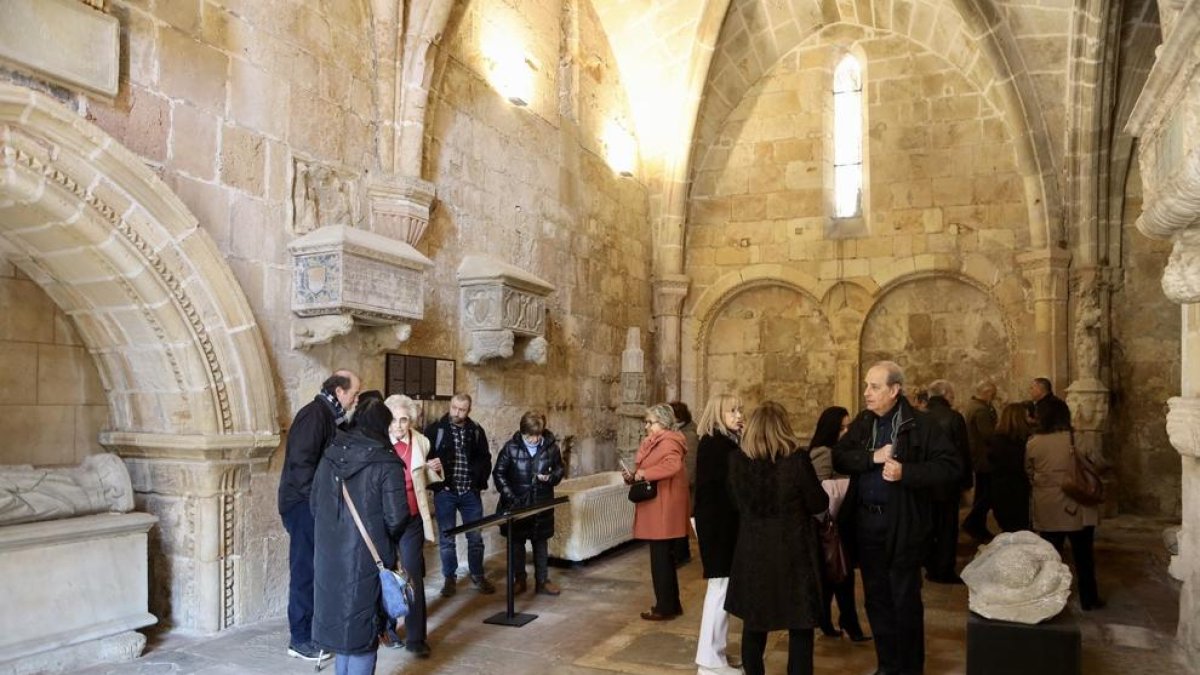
(981, 425)
(462, 446)
(894, 458)
(311, 432)
(527, 469)
(346, 618)
(1041, 393)
(939, 567)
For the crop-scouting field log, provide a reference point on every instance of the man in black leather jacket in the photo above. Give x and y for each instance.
(894, 458)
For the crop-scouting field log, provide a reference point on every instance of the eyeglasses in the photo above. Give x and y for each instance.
(650, 422)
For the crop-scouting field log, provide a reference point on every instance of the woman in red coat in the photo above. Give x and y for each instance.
(664, 518)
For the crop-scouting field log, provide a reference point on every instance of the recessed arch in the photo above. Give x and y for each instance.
(179, 353)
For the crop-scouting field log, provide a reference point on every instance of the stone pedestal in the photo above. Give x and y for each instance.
(75, 590)
(1054, 647)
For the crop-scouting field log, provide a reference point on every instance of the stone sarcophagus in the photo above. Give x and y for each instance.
(342, 270)
(499, 304)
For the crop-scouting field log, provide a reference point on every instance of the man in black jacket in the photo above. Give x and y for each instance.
(894, 459)
(939, 567)
(462, 446)
(311, 432)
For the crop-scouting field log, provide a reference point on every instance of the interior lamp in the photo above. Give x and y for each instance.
(621, 149)
(511, 71)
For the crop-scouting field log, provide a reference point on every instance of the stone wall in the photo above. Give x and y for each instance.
(944, 200)
(1146, 372)
(52, 404)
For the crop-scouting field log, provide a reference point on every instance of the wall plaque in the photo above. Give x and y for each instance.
(421, 378)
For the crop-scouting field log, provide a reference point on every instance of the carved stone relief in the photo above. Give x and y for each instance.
(322, 195)
(500, 302)
(100, 484)
(400, 207)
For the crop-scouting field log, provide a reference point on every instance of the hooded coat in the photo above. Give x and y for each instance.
(775, 582)
(516, 478)
(346, 614)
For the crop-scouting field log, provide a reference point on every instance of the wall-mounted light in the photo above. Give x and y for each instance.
(510, 70)
(620, 148)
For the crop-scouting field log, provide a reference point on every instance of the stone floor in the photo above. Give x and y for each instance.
(593, 627)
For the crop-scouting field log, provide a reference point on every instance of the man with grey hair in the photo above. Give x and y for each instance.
(462, 447)
(939, 566)
(895, 459)
(981, 424)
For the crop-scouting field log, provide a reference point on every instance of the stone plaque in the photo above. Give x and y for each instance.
(65, 40)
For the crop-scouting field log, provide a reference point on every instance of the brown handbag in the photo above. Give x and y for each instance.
(833, 557)
(1084, 485)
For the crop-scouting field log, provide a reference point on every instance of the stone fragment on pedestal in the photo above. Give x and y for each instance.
(1018, 577)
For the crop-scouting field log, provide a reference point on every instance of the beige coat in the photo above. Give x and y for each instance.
(422, 476)
(1049, 464)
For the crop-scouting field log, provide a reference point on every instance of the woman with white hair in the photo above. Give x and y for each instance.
(412, 448)
(664, 518)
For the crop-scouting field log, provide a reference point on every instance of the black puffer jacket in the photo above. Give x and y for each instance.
(929, 460)
(716, 516)
(516, 478)
(775, 582)
(346, 589)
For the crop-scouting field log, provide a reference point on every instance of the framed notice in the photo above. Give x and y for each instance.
(422, 378)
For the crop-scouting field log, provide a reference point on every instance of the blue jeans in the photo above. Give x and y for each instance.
(471, 507)
(298, 521)
(355, 664)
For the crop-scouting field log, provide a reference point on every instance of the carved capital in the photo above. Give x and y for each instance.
(400, 206)
(669, 293)
(1183, 425)
(1046, 272)
(1181, 278)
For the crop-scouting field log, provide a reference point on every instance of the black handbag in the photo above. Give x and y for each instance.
(643, 490)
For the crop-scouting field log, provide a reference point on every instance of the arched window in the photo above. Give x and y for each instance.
(848, 139)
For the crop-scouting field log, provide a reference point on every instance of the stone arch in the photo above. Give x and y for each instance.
(769, 339)
(178, 351)
(940, 325)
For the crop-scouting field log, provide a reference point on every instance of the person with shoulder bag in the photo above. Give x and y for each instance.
(664, 517)
(359, 466)
(1057, 517)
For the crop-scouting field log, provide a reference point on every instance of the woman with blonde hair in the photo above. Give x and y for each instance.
(720, 430)
(775, 581)
(664, 518)
(412, 448)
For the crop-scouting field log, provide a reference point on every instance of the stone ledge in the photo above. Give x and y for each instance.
(67, 530)
(229, 447)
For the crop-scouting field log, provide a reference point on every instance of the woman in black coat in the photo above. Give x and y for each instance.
(775, 582)
(346, 614)
(527, 469)
(1010, 483)
(716, 520)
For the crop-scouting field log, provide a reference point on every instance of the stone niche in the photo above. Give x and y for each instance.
(342, 274)
(499, 304)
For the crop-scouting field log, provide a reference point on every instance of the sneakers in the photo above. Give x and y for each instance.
(547, 588)
(718, 670)
(418, 649)
(482, 584)
(450, 587)
(308, 651)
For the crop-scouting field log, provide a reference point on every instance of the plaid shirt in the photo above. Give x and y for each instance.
(460, 479)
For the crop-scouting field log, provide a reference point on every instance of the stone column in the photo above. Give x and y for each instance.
(197, 486)
(669, 292)
(1166, 120)
(1088, 396)
(1046, 272)
(633, 396)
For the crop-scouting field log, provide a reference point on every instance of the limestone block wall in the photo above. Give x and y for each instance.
(945, 200)
(1146, 372)
(52, 404)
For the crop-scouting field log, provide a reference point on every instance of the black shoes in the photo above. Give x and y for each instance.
(483, 585)
(450, 587)
(308, 651)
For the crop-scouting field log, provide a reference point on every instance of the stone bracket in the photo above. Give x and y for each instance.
(350, 275)
(400, 206)
(1183, 425)
(500, 303)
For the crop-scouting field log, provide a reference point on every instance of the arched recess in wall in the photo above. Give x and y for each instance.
(770, 340)
(940, 327)
(179, 354)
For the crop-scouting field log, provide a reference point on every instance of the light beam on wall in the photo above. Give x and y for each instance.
(510, 70)
(620, 148)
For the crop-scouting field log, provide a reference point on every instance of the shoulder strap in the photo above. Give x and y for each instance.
(361, 530)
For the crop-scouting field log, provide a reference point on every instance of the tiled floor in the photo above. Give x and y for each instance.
(593, 627)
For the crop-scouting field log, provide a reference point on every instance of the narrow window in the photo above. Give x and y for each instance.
(847, 139)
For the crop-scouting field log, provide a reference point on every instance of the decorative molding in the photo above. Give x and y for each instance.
(1183, 425)
(344, 270)
(400, 206)
(191, 447)
(669, 290)
(498, 303)
(155, 262)
(227, 513)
